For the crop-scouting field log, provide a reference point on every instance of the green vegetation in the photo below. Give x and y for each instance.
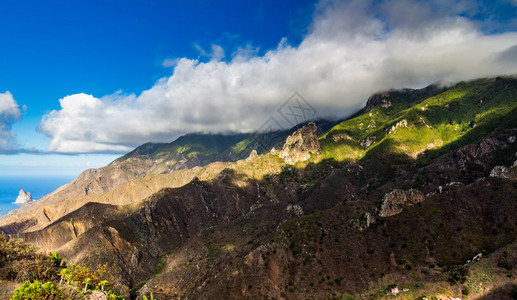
(150, 297)
(465, 291)
(76, 280)
(36, 290)
(19, 261)
(430, 126)
(57, 260)
(48, 277)
(83, 279)
(190, 146)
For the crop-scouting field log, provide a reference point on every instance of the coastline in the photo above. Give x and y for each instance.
(37, 185)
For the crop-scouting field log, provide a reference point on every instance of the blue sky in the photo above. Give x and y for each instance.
(51, 49)
(84, 81)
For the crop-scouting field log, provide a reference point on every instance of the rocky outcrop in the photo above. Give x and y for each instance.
(400, 124)
(503, 172)
(478, 152)
(472, 161)
(341, 136)
(364, 222)
(394, 202)
(23, 197)
(378, 100)
(300, 145)
(252, 155)
(295, 210)
(369, 219)
(368, 141)
(95, 295)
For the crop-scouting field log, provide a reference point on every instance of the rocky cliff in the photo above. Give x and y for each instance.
(300, 145)
(394, 202)
(504, 172)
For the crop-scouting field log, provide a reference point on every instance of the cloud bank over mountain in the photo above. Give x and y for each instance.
(9, 113)
(352, 49)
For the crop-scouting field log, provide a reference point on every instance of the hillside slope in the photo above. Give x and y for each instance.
(445, 146)
(406, 191)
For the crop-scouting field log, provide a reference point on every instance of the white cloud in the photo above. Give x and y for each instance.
(9, 113)
(216, 54)
(170, 62)
(353, 49)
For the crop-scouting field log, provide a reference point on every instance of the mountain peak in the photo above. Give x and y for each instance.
(408, 96)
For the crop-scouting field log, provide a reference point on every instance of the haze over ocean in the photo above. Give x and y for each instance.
(37, 185)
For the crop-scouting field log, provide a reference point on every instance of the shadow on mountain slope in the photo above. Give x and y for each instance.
(507, 292)
(316, 229)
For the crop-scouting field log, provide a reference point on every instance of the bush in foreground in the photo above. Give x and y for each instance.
(36, 290)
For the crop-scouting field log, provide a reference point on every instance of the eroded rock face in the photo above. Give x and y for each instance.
(295, 210)
(476, 153)
(503, 172)
(394, 202)
(378, 100)
(300, 145)
(23, 197)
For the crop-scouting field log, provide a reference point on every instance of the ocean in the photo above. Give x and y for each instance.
(38, 186)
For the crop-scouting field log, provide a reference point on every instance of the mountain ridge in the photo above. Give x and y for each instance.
(261, 227)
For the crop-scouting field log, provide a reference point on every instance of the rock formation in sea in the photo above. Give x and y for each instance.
(23, 197)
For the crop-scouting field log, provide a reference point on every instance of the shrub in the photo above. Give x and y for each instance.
(36, 290)
(458, 275)
(81, 277)
(19, 261)
(115, 296)
(465, 291)
(57, 260)
(503, 261)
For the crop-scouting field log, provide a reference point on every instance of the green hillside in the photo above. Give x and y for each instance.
(201, 149)
(187, 146)
(413, 125)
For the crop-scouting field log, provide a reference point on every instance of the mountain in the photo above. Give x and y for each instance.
(407, 192)
(199, 149)
(186, 152)
(130, 178)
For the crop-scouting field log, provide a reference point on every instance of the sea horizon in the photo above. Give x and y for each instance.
(37, 185)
